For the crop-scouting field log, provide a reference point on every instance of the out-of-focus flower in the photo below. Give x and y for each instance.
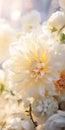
(57, 20)
(56, 26)
(18, 122)
(34, 66)
(56, 122)
(31, 20)
(7, 99)
(60, 86)
(7, 35)
(44, 106)
(62, 4)
(9, 106)
(60, 83)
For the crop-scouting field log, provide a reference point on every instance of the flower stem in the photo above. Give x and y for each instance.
(31, 117)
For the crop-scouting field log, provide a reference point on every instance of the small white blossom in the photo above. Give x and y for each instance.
(57, 20)
(50, 106)
(45, 106)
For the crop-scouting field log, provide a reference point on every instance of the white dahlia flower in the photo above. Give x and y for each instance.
(57, 20)
(28, 72)
(7, 35)
(60, 86)
(34, 65)
(31, 20)
(44, 106)
(60, 83)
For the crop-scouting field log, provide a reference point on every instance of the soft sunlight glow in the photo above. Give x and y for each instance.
(15, 15)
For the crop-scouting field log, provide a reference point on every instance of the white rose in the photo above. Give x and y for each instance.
(62, 4)
(57, 20)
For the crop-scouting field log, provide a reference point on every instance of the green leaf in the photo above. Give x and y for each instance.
(2, 88)
(62, 39)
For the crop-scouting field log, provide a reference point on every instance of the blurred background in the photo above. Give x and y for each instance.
(13, 10)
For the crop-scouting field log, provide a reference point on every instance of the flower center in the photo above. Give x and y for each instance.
(38, 70)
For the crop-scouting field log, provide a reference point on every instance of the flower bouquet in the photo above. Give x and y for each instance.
(32, 78)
